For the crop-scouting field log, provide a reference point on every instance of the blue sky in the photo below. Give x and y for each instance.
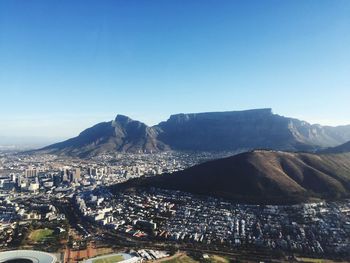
(65, 65)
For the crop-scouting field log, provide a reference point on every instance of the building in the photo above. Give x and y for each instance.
(27, 256)
(31, 173)
(76, 175)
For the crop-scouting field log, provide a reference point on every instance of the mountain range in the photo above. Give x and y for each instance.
(262, 177)
(213, 131)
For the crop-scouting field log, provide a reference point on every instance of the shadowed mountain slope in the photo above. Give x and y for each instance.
(344, 148)
(262, 177)
(123, 135)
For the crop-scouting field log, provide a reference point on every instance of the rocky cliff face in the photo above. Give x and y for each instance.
(226, 131)
(135, 136)
(247, 130)
(213, 131)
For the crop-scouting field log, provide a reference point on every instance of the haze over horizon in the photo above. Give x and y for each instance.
(61, 73)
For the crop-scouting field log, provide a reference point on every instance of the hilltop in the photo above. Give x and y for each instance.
(262, 177)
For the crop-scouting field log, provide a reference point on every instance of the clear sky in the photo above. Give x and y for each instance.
(65, 65)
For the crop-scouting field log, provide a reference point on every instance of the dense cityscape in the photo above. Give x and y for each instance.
(72, 197)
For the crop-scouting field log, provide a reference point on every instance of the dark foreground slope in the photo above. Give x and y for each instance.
(343, 148)
(262, 177)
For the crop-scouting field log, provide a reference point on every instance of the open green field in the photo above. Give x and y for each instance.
(182, 258)
(39, 235)
(218, 259)
(315, 260)
(111, 259)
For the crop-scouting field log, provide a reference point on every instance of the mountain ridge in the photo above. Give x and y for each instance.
(209, 131)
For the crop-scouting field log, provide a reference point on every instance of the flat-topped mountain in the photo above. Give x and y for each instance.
(213, 131)
(248, 129)
(267, 177)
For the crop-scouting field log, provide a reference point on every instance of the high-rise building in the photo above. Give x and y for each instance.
(13, 178)
(76, 174)
(31, 172)
(19, 180)
(92, 171)
(22, 181)
(57, 179)
(65, 175)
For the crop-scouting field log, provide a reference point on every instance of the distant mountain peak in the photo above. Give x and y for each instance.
(123, 119)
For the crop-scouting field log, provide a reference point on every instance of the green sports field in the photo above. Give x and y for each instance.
(39, 235)
(111, 259)
(182, 258)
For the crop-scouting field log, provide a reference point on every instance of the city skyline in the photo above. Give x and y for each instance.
(66, 66)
